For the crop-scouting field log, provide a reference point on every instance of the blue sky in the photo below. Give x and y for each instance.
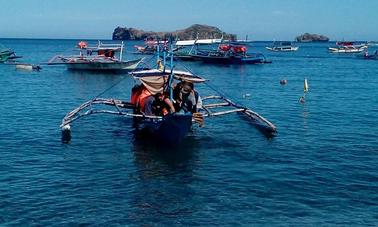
(259, 19)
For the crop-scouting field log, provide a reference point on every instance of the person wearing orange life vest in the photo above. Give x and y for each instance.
(142, 99)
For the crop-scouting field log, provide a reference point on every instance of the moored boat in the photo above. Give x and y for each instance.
(99, 58)
(28, 67)
(348, 47)
(225, 53)
(282, 47)
(7, 54)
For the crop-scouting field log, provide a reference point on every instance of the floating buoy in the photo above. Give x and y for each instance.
(66, 133)
(302, 99)
(305, 85)
(246, 95)
(283, 82)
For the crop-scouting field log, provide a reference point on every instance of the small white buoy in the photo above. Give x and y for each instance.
(305, 85)
(246, 95)
(66, 133)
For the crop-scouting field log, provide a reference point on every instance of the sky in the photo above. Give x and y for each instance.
(258, 19)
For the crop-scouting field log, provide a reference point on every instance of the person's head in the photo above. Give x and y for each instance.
(160, 96)
(186, 87)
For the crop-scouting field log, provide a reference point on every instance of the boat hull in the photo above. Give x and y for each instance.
(347, 49)
(104, 66)
(28, 67)
(282, 49)
(258, 59)
(172, 129)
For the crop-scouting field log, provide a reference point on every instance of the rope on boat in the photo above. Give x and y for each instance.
(239, 108)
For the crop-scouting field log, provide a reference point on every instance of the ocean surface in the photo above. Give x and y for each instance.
(320, 169)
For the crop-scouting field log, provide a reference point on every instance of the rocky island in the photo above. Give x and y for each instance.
(192, 32)
(307, 37)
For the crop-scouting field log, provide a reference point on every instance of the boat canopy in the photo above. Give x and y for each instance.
(342, 43)
(285, 43)
(197, 41)
(178, 75)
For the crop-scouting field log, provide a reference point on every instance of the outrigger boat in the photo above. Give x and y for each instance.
(348, 47)
(28, 67)
(150, 47)
(171, 127)
(7, 54)
(98, 58)
(282, 47)
(226, 53)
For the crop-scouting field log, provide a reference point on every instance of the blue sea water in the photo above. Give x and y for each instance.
(320, 169)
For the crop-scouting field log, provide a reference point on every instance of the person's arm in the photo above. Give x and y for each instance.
(170, 104)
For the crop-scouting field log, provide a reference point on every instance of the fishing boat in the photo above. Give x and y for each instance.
(28, 67)
(7, 54)
(174, 86)
(188, 48)
(282, 47)
(348, 47)
(98, 58)
(225, 53)
(150, 47)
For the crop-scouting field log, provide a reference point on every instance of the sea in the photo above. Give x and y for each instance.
(319, 170)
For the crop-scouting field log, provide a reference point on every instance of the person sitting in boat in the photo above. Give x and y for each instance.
(142, 99)
(186, 98)
(162, 105)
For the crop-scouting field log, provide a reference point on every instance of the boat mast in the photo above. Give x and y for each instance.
(157, 53)
(171, 74)
(121, 52)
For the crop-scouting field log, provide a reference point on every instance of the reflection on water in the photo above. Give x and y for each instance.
(164, 175)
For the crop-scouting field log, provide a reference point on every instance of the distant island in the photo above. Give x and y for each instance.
(307, 37)
(192, 32)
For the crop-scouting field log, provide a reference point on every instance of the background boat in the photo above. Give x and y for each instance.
(97, 58)
(282, 47)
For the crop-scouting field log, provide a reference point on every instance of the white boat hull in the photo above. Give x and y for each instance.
(104, 66)
(282, 49)
(27, 67)
(347, 50)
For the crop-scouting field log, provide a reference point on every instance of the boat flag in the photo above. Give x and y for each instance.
(305, 86)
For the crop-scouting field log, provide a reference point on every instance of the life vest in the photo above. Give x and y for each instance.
(224, 47)
(135, 92)
(142, 98)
